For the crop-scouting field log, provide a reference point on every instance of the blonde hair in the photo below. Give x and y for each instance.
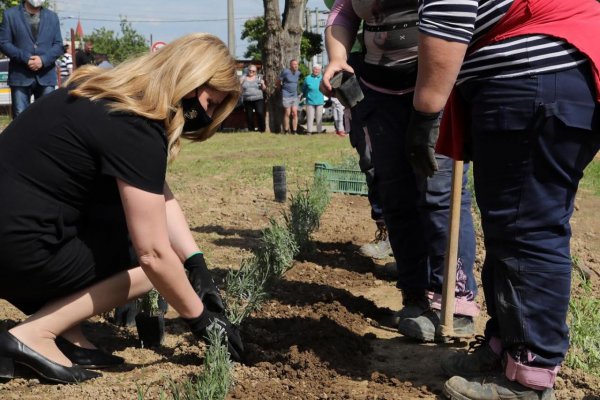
(153, 85)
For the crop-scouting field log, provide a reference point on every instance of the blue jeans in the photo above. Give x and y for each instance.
(532, 138)
(416, 210)
(21, 96)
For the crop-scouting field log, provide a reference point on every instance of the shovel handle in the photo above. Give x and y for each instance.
(448, 287)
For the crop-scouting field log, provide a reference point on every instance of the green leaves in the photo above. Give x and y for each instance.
(119, 46)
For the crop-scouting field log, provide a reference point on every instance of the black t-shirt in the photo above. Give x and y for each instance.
(60, 158)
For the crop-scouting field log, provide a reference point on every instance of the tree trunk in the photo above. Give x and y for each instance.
(282, 44)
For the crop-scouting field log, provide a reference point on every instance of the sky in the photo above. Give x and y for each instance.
(163, 20)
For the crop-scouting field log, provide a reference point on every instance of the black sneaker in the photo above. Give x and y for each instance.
(425, 327)
(492, 388)
(478, 360)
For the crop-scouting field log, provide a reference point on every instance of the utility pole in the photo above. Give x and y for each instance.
(230, 28)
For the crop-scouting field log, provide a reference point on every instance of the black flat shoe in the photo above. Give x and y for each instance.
(12, 352)
(87, 358)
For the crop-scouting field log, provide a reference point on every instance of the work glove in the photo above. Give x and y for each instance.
(199, 327)
(421, 136)
(203, 283)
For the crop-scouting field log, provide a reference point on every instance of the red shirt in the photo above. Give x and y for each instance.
(577, 22)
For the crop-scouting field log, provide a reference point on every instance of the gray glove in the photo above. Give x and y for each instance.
(421, 137)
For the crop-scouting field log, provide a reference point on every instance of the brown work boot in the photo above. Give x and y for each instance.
(497, 387)
(478, 360)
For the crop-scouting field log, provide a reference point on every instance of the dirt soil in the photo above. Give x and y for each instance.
(319, 336)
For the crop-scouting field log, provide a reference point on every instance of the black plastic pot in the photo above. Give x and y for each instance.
(151, 330)
(279, 183)
(125, 315)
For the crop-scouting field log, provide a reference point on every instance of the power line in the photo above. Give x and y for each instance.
(159, 21)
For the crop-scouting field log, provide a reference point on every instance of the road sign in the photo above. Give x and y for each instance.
(157, 46)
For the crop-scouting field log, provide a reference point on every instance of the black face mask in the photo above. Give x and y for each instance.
(195, 115)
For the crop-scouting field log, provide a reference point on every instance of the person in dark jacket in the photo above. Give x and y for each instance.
(30, 37)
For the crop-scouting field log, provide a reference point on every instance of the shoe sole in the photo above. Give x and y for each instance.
(413, 331)
(453, 394)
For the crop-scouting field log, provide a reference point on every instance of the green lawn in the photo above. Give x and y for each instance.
(249, 157)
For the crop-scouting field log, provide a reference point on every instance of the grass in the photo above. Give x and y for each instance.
(591, 177)
(584, 320)
(249, 158)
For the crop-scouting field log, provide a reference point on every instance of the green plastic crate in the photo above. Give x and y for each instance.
(342, 180)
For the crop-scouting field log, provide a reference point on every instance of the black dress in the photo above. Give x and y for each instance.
(62, 226)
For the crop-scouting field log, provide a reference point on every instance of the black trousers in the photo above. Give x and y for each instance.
(257, 106)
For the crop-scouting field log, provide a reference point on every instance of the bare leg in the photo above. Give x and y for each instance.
(40, 330)
(286, 119)
(75, 335)
(295, 119)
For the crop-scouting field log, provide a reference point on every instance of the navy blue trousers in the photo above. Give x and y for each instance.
(359, 141)
(532, 138)
(415, 210)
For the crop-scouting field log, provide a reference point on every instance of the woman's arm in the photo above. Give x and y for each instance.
(146, 215)
(181, 237)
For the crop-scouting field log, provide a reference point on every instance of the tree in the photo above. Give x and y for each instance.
(4, 4)
(282, 44)
(119, 47)
(254, 32)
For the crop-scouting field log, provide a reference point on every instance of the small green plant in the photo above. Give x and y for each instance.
(302, 219)
(148, 303)
(216, 379)
(246, 289)
(277, 249)
(320, 195)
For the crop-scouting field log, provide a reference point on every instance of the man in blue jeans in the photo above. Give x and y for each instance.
(30, 37)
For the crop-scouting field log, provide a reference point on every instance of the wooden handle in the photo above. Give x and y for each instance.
(446, 326)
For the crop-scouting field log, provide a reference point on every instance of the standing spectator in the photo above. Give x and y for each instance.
(338, 117)
(30, 37)
(288, 81)
(314, 100)
(85, 56)
(415, 206)
(521, 80)
(252, 96)
(65, 64)
(102, 61)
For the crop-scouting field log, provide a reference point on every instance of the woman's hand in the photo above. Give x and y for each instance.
(200, 325)
(333, 67)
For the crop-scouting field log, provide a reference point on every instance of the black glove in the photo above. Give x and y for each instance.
(199, 326)
(203, 283)
(421, 136)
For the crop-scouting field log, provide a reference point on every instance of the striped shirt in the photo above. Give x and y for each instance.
(466, 21)
(65, 63)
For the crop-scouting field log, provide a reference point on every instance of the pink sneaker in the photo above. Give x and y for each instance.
(341, 133)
